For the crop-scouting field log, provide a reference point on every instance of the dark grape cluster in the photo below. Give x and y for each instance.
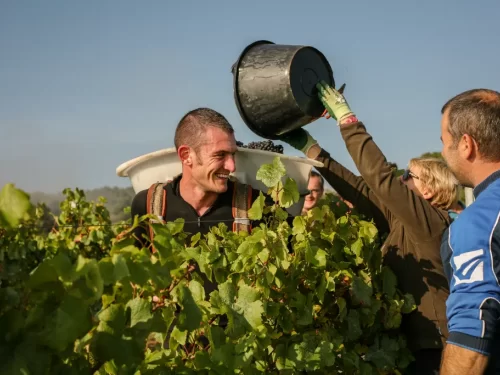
(262, 145)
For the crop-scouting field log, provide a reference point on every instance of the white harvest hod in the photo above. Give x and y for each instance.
(162, 165)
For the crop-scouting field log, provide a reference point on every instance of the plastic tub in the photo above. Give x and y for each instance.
(163, 165)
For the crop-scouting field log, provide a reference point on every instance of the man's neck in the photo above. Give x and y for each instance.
(199, 199)
(483, 171)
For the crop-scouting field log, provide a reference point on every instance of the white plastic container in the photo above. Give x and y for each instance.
(163, 165)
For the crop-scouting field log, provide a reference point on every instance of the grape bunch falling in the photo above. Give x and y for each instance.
(262, 145)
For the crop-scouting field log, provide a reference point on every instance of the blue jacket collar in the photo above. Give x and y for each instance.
(486, 182)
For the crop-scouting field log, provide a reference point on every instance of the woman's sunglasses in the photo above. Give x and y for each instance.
(407, 174)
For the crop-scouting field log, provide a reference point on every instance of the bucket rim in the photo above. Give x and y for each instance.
(235, 71)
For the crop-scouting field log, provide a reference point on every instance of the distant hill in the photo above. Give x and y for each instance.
(117, 199)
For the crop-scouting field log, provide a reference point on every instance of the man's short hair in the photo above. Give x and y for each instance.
(193, 125)
(476, 113)
(321, 179)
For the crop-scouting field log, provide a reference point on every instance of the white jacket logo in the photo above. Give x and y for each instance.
(469, 267)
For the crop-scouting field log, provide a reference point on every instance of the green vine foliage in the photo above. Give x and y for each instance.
(308, 296)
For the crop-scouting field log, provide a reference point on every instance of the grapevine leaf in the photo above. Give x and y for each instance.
(106, 269)
(299, 225)
(224, 355)
(290, 193)
(351, 361)
(389, 282)
(216, 337)
(179, 336)
(14, 205)
(249, 304)
(9, 297)
(120, 350)
(163, 246)
(368, 231)
(361, 291)
(202, 361)
(62, 265)
(197, 291)
(140, 311)
(227, 292)
(409, 304)
(255, 212)
(281, 214)
(321, 289)
(71, 320)
(168, 315)
(383, 354)
(282, 361)
(120, 267)
(365, 368)
(316, 257)
(113, 319)
(190, 315)
(88, 269)
(176, 226)
(341, 302)
(354, 326)
(392, 317)
(44, 273)
(357, 249)
(271, 174)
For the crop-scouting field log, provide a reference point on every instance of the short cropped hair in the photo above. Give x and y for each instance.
(321, 179)
(192, 126)
(438, 178)
(476, 113)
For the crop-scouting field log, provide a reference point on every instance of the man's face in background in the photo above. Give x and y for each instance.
(316, 192)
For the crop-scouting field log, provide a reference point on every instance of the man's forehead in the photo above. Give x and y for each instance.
(445, 118)
(223, 145)
(314, 180)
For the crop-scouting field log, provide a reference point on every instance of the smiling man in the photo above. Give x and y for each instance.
(202, 195)
(316, 187)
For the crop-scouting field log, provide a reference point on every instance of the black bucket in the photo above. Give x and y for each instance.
(275, 87)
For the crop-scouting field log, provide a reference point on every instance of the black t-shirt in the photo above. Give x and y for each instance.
(177, 207)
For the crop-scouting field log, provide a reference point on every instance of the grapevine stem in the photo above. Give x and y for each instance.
(213, 319)
(134, 289)
(190, 269)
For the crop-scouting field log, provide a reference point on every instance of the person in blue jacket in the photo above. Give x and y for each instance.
(470, 250)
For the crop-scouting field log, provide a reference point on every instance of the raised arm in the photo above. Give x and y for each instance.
(350, 187)
(411, 209)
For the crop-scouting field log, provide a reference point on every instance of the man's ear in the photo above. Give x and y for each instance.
(185, 155)
(467, 147)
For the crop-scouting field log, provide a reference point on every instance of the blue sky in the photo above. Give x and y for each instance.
(88, 85)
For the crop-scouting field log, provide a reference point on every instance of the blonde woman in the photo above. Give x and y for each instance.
(412, 210)
(432, 178)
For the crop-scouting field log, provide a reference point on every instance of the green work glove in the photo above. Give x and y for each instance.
(334, 101)
(299, 139)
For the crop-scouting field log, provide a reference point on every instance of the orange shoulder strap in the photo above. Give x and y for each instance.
(156, 204)
(242, 201)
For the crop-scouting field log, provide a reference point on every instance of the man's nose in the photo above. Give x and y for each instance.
(230, 164)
